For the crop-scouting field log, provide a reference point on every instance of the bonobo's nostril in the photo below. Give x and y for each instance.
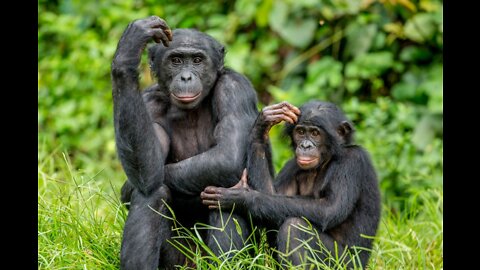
(306, 144)
(186, 76)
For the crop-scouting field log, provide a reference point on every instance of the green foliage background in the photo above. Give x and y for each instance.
(381, 61)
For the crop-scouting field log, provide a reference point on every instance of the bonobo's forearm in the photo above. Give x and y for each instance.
(259, 167)
(137, 145)
(324, 212)
(234, 103)
(260, 130)
(221, 165)
(192, 175)
(138, 148)
(259, 157)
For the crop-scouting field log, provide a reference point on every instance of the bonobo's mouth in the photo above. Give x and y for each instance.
(186, 98)
(303, 161)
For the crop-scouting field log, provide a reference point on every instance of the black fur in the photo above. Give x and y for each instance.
(171, 149)
(340, 197)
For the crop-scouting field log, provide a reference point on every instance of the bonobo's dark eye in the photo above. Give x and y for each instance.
(300, 131)
(315, 133)
(176, 60)
(197, 60)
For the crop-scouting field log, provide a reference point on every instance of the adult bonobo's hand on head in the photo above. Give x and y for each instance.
(187, 131)
(137, 35)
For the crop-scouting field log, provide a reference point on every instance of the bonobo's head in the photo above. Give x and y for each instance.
(188, 67)
(319, 134)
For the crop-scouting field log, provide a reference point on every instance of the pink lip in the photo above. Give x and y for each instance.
(186, 99)
(306, 161)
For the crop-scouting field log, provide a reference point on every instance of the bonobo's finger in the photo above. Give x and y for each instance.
(290, 113)
(289, 106)
(239, 184)
(278, 118)
(213, 207)
(243, 181)
(211, 189)
(209, 196)
(157, 22)
(292, 107)
(284, 106)
(283, 110)
(206, 195)
(244, 175)
(277, 106)
(278, 113)
(159, 36)
(272, 111)
(210, 202)
(287, 119)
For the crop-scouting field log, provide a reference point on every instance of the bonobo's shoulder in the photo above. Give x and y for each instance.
(235, 80)
(289, 169)
(358, 153)
(153, 94)
(286, 174)
(157, 101)
(234, 92)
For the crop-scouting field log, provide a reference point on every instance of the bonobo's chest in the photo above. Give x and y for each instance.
(191, 133)
(307, 184)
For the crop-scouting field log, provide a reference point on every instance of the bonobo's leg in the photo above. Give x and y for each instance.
(126, 193)
(145, 230)
(294, 235)
(220, 241)
(171, 256)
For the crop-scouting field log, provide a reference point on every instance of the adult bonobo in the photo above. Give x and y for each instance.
(331, 182)
(186, 132)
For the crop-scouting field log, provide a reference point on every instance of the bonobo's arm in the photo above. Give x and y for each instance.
(138, 142)
(234, 100)
(259, 165)
(342, 192)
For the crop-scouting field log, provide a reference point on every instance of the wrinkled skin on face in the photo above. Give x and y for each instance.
(186, 131)
(330, 185)
(188, 68)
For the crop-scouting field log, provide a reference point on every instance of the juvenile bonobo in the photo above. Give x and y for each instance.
(331, 182)
(187, 131)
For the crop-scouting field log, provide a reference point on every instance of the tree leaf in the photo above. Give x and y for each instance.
(420, 27)
(297, 31)
(360, 39)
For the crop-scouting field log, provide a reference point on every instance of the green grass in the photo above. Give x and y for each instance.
(80, 221)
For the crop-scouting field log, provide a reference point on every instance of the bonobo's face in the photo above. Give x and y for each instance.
(192, 76)
(188, 67)
(311, 149)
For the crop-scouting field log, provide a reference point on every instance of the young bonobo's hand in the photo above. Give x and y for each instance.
(139, 33)
(215, 197)
(274, 114)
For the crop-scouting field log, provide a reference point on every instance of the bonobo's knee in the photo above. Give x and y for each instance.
(164, 193)
(156, 199)
(291, 235)
(161, 195)
(291, 229)
(126, 193)
(293, 223)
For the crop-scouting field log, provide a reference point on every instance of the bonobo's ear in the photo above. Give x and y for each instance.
(221, 51)
(344, 129)
(151, 56)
